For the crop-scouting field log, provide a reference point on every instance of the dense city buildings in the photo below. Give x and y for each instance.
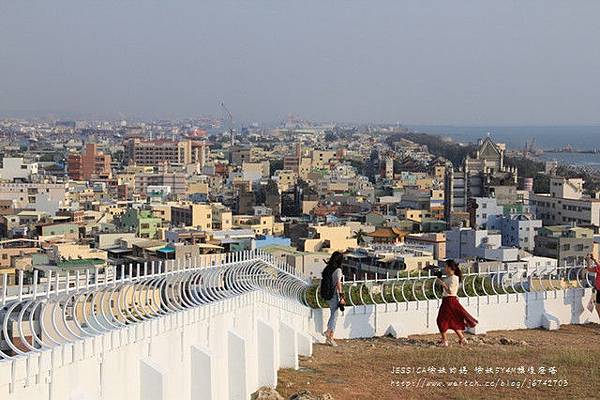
(112, 199)
(477, 176)
(133, 191)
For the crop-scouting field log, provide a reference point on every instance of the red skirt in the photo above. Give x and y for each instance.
(452, 315)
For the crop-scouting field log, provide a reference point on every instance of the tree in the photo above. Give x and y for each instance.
(330, 136)
(455, 152)
(358, 165)
(118, 156)
(275, 165)
(526, 167)
(360, 236)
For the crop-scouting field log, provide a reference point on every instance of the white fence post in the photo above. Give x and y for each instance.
(152, 381)
(202, 375)
(266, 349)
(237, 367)
(288, 346)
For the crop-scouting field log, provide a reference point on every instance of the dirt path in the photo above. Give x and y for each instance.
(377, 368)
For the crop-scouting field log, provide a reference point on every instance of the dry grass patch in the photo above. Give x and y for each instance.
(362, 368)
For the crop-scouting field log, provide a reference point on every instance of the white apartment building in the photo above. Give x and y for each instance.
(566, 203)
(175, 180)
(463, 243)
(15, 168)
(537, 264)
(514, 272)
(517, 224)
(486, 207)
(519, 230)
(44, 197)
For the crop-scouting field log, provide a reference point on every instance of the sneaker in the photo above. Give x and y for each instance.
(331, 342)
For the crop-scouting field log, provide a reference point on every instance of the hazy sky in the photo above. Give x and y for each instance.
(419, 62)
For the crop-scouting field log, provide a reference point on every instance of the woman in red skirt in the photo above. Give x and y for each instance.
(452, 315)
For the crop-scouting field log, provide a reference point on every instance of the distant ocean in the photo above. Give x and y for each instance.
(546, 137)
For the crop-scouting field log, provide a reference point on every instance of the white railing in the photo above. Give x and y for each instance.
(422, 286)
(69, 307)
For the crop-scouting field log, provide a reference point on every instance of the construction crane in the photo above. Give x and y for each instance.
(230, 123)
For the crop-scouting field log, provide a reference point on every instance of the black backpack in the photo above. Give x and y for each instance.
(327, 287)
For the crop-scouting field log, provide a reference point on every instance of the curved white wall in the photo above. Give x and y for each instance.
(227, 349)
(224, 350)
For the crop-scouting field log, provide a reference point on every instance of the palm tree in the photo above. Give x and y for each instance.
(359, 236)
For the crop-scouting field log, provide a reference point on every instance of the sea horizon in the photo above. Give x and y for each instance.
(546, 137)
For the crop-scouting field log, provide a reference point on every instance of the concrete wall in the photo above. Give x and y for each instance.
(224, 350)
(500, 312)
(228, 349)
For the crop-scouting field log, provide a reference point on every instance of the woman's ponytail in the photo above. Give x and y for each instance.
(455, 268)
